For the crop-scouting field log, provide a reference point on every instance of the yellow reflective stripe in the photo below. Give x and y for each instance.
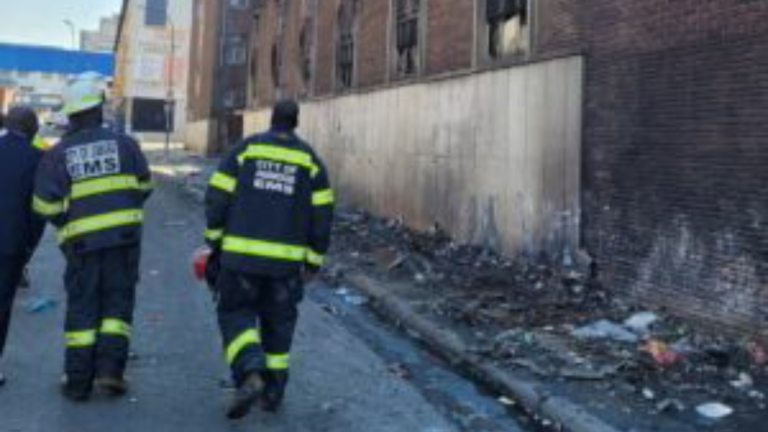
(323, 198)
(278, 362)
(280, 154)
(224, 182)
(315, 258)
(81, 339)
(248, 337)
(214, 234)
(265, 249)
(47, 208)
(104, 185)
(100, 222)
(40, 143)
(146, 186)
(115, 327)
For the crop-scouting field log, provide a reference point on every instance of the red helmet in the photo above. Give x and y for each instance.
(200, 262)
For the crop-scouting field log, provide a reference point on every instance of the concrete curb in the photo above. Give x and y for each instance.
(530, 394)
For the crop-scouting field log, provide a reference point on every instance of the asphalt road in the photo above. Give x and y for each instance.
(178, 374)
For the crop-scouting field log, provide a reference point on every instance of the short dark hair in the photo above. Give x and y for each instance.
(23, 120)
(285, 114)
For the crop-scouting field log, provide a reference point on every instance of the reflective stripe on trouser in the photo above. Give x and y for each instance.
(271, 250)
(101, 290)
(247, 300)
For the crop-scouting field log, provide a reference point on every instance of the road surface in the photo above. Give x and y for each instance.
(179, 380)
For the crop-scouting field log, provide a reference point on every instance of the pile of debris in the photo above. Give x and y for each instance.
(558, 323)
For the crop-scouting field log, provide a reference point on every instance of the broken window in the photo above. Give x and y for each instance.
(407, 36)
(236, 52)
(277, 66)
(345, 45)
(307, 43)
(507, 22)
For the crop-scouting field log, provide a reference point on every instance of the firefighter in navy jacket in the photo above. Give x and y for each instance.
(20, 228)
(269, 209)
(92, 186)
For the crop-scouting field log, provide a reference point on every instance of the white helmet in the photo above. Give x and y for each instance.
(84, 92)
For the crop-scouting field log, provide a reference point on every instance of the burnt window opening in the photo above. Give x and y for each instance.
(346, 44)
(507, 23)
(306, 43)
(407, 36)
(277, 66)
(236, 52)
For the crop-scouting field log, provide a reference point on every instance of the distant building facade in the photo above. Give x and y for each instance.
(153, 67)
(220, 62)
(102, 39)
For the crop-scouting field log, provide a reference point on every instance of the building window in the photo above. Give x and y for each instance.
(345, 45)
(156, 13)
(506, 23)
(408, 36)
(236, 53)
(238, 4)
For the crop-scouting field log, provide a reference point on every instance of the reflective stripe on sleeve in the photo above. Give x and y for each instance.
(46, 208)
(81, 339)
(315, 258)
(248, 337)
(323, 198)
(278, 362)
(146, 186)
(214, 235)
(224, 182)
(100, 222)
(115, 327)
(280, 154)
(104, 185)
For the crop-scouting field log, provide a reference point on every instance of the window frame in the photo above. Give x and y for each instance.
(482, 43)
(353, 34)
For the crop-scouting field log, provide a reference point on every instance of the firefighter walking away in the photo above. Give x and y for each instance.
(269, 210)
(20, 229)
(93, 186)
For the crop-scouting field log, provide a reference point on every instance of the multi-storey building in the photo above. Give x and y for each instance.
(103, 38)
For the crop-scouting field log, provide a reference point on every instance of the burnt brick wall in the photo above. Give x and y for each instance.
(557, 27)
(676, 149)
(373, 22)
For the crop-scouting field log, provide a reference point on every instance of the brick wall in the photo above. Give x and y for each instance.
(676, 186)
(450, 33)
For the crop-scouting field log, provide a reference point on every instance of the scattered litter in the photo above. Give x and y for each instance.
(649, 394)
(605, 329)
(399, 370)
(588, 373)
(641, 323)
(714, 410)
(662, 354)
(355, 300)
(507, 401)
(759, 353)
(154, 273)
(40, 305)
(744, 382)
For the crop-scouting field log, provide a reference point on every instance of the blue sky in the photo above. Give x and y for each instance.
(39, 22)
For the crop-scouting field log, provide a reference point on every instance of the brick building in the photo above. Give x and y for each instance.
(633, 130)
(218, 85)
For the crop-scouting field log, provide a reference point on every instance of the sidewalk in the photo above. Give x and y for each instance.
(552, 341)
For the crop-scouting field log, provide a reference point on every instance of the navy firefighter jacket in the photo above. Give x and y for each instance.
(92, 186)
(20, 228)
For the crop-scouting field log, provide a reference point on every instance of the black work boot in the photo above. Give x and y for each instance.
(2, 379)
(246, 397)
(274, 392)
(76, 390)
(112, 385)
